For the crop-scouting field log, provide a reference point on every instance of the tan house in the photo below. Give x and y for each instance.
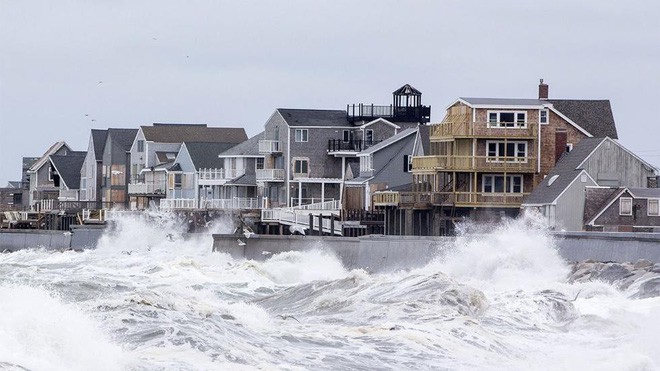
(487, 154)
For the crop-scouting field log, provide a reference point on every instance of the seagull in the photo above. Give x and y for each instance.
(240, 243)
(296, 228)
(247, 232)
(170, 237)
(286, 316)
(100, 82)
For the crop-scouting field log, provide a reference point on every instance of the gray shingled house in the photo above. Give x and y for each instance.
(42, 186)
(66, 174)
(592, 162)
(91, 176)
(308, 152)
(622, 209)
(154, 150)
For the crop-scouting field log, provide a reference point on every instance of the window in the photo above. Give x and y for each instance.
(653, 206)
(301, 166)
(347, 136)
(506, 151)
(140, 145)
(50, 172)
(625, 206)
(407, 163)
(543, 116)
(301, 135)
(495, 184)
(366, 163)
(178, 180)
(508, 119)
(259, 163)
(369, 136)
(569, 147)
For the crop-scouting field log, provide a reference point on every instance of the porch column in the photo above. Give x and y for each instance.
(299, 193)
(322, 192)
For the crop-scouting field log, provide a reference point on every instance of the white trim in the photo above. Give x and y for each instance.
(602, 210)
(380, 119)
(571, 122)
(515, 123)
(500, 105)
(648, 208)
(508, 184)
(620, 146)
(547, 116)
(497, 156)
(241, 156)
(304, 135)
(554, 202)
(628, 199)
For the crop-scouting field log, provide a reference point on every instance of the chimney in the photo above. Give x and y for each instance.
(543, 90)
(561, 137)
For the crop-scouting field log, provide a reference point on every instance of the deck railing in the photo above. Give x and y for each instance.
(466, 199)
(474, 163)
(356, 145)
(484, 129)
(270, 174)
(157, 188)
(270, 146)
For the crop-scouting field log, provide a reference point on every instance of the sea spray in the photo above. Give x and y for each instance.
(158, 298)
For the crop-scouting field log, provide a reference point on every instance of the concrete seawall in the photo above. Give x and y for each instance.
(83, 237)
(388, 253)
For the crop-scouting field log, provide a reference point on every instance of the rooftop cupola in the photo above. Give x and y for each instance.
(406, 107)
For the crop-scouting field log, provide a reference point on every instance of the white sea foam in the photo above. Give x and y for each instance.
(146, 300)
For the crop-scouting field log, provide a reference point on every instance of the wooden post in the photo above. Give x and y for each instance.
(320, 224)
(311, 224)
(332, 225)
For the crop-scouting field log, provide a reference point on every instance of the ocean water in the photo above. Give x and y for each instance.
(144, 300)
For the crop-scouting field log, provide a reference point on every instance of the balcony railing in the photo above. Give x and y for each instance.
(461, 199)
(265, 175)
(147, 188)
(337, 145)
(236, 203)
(206, 176)
(357, 112)
(270, 146)
(314, 204)
(474, 163)
(484, 129)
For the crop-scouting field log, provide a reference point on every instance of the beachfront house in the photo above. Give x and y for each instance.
(154, 151)
(66, 175)
(308, 151)
(622, 209)
(593, 162)
(487, 154)
(42, 186)
(91, 178)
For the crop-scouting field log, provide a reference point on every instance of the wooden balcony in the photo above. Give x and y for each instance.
(465, 129)
(432, 164)
(457, 199)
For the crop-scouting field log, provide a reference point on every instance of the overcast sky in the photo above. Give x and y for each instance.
(69, 66)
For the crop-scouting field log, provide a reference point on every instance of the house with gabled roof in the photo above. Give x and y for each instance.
(115, 170)
(592, 162)
(154, 150)
(384, 166)
(66, 174)
(91, 176)
(622, 209)
(307, 151)
(42, 186)
(488, 154)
